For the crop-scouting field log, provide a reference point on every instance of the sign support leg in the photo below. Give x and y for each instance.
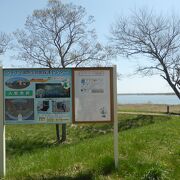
(2, 128)
(115, 118)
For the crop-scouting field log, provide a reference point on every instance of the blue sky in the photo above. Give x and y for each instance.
(14, 12)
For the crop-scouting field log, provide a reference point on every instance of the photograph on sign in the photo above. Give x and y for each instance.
(19, 109)
(49, 90)
(92, 93)
(37, 96)
(61, 106)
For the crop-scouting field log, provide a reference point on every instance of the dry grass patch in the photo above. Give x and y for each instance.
(155, 108)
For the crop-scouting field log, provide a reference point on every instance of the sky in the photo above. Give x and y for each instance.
(13, 14)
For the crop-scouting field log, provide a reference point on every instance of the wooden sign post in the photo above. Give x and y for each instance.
(2, 128)
(115, 118)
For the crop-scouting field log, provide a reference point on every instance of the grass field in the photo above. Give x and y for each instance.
(149, 149)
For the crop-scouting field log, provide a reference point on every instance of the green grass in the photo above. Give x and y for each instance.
(149, 148)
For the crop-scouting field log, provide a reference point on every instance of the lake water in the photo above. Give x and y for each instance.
(148, 99)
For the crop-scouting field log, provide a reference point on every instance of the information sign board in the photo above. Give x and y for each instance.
(93, 95)
(37, 96)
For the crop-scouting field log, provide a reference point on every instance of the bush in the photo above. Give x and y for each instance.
(154, 173)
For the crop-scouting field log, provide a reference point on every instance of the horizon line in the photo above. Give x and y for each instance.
(168, 93)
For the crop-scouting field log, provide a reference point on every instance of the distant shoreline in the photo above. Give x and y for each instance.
(146, 93)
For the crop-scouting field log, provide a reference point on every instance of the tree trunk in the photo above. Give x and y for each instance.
(57, 134)
(176, 91)
(59, 140)
(63, 133)
(168, 79)
(63, 125)
(172, 86)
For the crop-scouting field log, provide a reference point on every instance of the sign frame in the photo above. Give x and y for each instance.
(111, 94)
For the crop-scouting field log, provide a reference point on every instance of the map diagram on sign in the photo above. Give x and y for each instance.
(95, 85)
(92, 95)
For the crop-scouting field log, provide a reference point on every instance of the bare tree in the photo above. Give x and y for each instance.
(153, 36)
(59, 36)
(4, 41)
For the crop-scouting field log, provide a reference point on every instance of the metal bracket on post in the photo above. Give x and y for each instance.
(2, 129)
(116, 154)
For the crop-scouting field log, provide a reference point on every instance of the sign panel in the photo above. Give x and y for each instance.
(93, 95)
(37, 96)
